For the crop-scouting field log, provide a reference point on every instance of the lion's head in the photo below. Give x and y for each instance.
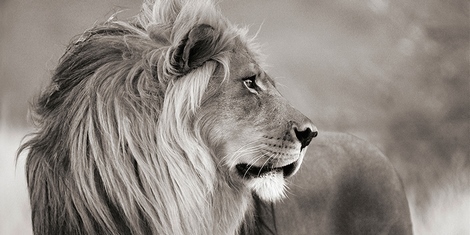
(259, 136)
(163, 124)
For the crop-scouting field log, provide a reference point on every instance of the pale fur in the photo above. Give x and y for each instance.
(270, 187)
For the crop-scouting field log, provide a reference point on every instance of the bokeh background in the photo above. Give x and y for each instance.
(396, 73)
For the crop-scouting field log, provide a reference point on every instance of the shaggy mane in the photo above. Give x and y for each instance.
(106, 151)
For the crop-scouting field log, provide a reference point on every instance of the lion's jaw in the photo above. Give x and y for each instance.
(269, 183)
(264, 167)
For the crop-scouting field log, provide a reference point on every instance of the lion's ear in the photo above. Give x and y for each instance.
(195, 49)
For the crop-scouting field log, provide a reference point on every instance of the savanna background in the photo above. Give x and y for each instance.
(396, 73)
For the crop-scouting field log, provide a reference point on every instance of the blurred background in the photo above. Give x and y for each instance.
(396, 73)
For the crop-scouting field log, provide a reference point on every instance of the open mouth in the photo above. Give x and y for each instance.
(251, 171)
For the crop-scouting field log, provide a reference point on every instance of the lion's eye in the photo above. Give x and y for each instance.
(250, 82)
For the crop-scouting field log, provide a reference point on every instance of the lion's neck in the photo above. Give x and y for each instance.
(231, 205)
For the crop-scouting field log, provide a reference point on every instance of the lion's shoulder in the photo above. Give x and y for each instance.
(345, 186)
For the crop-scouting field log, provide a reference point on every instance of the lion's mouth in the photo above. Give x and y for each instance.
(251, 171)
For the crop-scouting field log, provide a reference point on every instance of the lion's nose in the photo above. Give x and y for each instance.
(305, 134)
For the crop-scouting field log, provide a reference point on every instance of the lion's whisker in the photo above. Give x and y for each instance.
(246, 149)
(252, 162)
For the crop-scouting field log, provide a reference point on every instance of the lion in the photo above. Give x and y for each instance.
(167, 123)
(162, 124)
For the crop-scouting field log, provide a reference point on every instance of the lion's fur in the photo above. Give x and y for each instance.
(106, 158)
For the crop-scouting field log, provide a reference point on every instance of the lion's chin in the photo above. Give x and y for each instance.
(268, 182)
(269, 187)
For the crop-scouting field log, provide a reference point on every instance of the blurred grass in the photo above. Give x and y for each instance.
(394, 72)
(14, 204)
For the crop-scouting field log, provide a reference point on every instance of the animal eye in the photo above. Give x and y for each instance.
(250, 82)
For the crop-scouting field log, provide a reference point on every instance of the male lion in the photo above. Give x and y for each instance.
(167, 124)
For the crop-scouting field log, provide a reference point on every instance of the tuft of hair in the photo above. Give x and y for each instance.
(268, 188)
(106, 158)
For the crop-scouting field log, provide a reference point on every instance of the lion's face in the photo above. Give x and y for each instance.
(260, 139)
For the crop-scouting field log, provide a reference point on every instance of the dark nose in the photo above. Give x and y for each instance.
(305, 134)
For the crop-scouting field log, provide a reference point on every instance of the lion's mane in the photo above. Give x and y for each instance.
(116, 151)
